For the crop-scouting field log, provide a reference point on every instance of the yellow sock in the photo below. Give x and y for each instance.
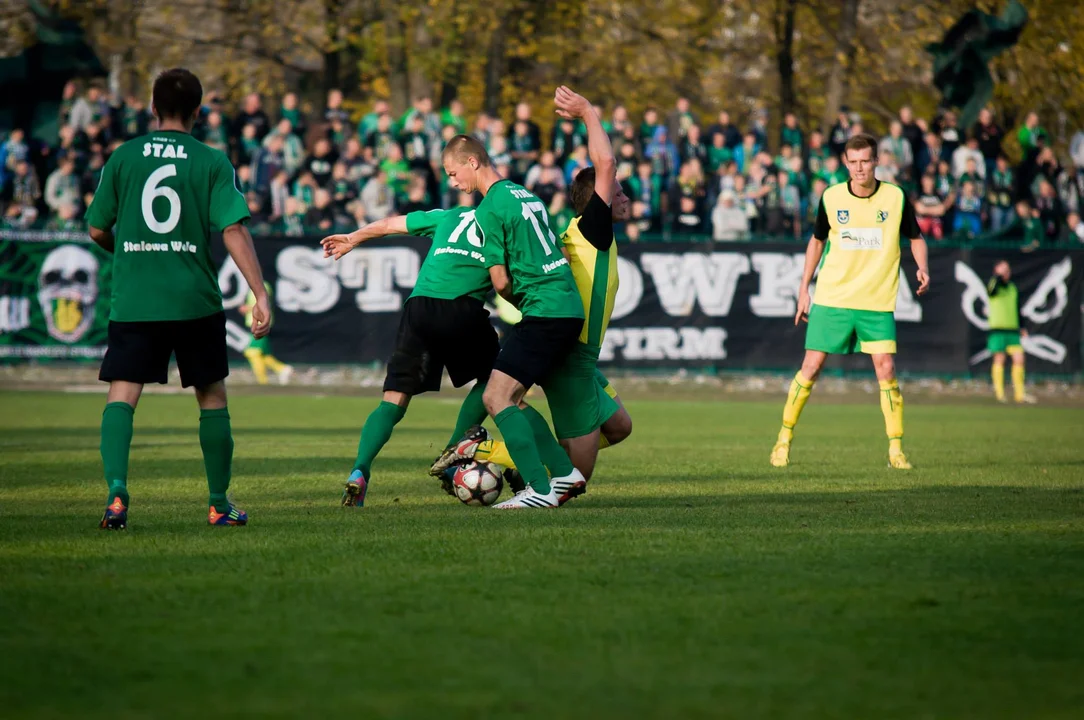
(892, 408)
(796, 399)
(274, 364)
(997, 372)
(255, 359)
(602, 442)
(1017, 382)
(494, 451)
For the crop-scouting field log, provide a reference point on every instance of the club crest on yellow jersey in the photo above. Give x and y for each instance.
(843, 216)
(882, 215)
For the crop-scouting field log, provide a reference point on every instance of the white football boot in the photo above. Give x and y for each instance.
(529, 499)
(569, 486)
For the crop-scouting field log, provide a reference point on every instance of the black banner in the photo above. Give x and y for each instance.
(684, 305)
(729, 307)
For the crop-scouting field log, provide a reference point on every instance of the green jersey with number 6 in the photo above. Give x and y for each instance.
(164, 192)
(515, 230)
(455, 266)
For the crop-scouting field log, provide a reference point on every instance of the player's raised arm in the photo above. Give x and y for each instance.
(572, 106)
(238, 243)
(338, 245)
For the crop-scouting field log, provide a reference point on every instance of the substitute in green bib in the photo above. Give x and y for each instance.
(159, 197)
(1005, 333)
(856, 245)
(444, 324)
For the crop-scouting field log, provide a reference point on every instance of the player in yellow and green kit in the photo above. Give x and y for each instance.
(1005, 333)
(587, 413)
(856, 243)
(258, 352)
(158, 197)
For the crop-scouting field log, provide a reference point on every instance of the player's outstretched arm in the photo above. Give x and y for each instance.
(572, 106)
(239, 245)
(338, 245)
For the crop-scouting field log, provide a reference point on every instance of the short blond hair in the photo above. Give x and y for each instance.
(462, 147)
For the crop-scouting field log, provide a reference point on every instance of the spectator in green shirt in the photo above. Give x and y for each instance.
(791, 134)
(453, 115)
(369, 122)
(1030, 133)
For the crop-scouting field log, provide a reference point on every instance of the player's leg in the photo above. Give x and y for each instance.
(412, 369)
(618, 426)
(281, 369)
(1019, 390)
(254, 354)
(997, 375)
(200, 347)
(877, 338)
(136, 354)
(830, 330)
(534, 348)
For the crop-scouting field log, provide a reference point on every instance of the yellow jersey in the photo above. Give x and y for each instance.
(860, 269)
(595, 273)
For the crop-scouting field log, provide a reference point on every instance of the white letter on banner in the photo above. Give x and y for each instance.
(907, 309)
(630, 289)
(683, 280)
(377, 272)
(233, 285)
(780, 275)
(307, 281)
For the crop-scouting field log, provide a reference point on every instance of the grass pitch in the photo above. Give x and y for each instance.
(692, 581)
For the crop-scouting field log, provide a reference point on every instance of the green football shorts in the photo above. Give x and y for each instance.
(262, 344)
(577, 394)
(840, 331)
(999, 341)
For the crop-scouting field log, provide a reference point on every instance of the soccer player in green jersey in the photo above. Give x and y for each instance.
(587, 412)
(258, 352)
(444, 325)
(529, 269)
(1005, 333)
(158, 197)
(856, 245)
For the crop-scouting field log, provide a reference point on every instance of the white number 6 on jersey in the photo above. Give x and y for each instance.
(151, 191)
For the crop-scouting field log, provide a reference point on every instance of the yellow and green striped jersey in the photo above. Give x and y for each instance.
(594, 270)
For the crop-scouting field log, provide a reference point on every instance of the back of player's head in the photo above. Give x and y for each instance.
(583, 187)
(177, 94)
(463, 147)
(860, 142)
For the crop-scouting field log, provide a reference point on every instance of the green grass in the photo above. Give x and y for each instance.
(692, 581)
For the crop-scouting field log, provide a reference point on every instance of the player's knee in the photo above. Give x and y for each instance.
(1017, 359)
(999, 358)
(884, 366)
(212, 397)
(618, 428)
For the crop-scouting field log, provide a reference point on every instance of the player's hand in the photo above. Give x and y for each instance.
(571, 105)
(804, 303)
(261, 317)
(923, 281)
(337, 245)
(1023, 333)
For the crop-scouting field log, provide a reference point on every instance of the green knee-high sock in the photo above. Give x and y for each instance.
(519, 437)
(116, 442)
(216, 441)
(550, 451)
(471, 412)
(375, 434)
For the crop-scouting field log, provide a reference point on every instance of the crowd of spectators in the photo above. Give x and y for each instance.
(313, 172)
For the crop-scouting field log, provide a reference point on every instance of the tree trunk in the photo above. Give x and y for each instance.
(398, 67)
(784, 54)
(333, 51)
(496, 66)
(420, 84)
(845, 52)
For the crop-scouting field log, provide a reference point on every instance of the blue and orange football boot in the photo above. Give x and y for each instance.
(354, 492)
(235, 516)
(116, 516)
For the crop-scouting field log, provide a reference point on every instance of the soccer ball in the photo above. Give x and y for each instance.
(478, 483)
